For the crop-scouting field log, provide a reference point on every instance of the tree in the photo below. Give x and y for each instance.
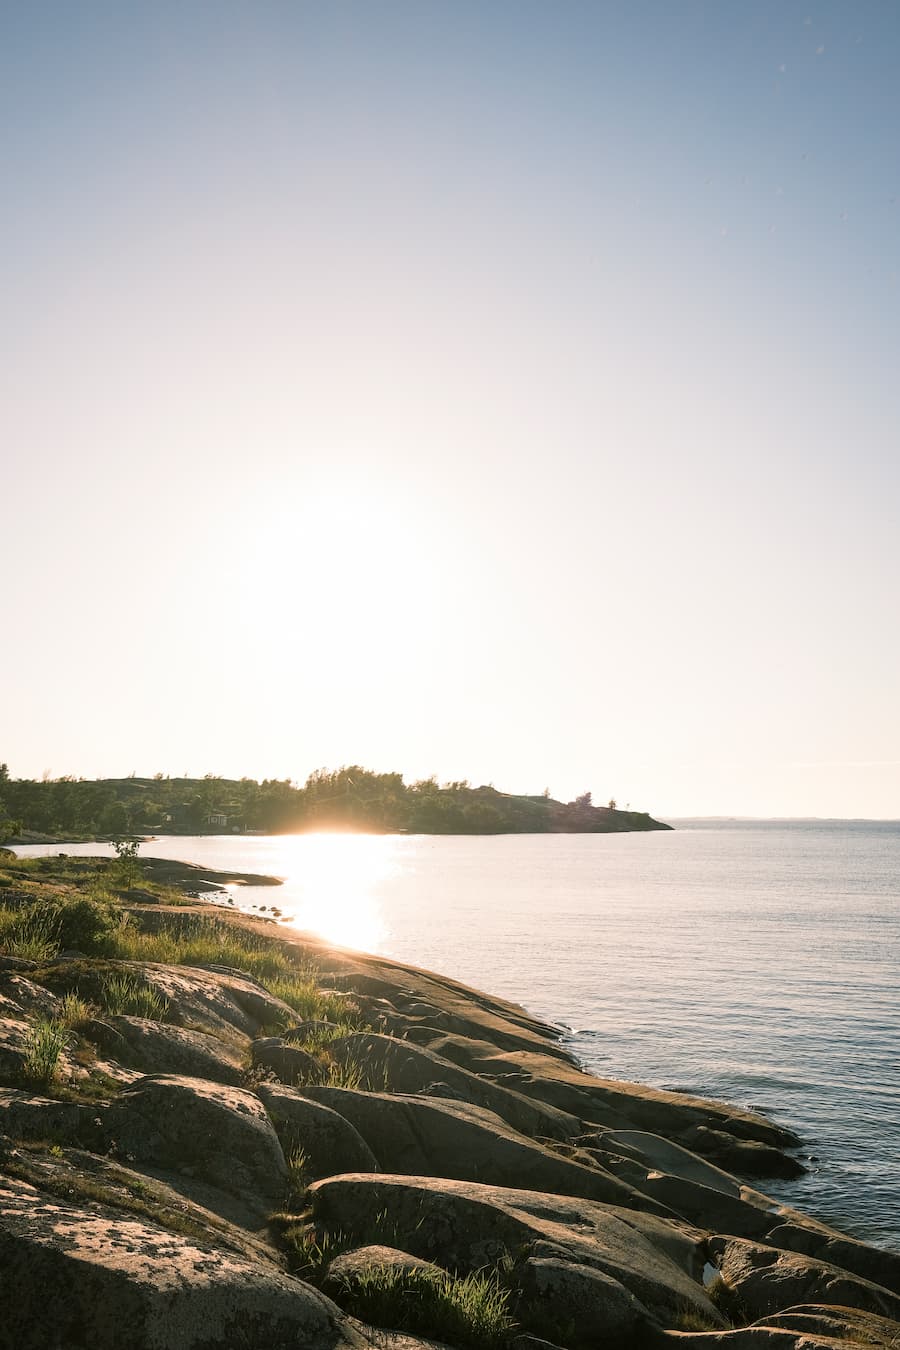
(126, 851)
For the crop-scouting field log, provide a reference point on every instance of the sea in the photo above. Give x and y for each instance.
(756, 962)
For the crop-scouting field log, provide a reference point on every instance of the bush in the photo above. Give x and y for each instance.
(80, 923)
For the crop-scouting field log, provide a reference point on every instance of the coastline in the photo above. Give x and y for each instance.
(313, 1117)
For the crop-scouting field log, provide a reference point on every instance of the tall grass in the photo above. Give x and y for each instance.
(126, 995)
(74, 1011)
(204, 943)
(45, 1042)
(465, 1310)
(28, 934)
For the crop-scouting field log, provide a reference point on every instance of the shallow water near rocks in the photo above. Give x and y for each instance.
(753, 962)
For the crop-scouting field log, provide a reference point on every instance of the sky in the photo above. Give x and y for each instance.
(502, 391)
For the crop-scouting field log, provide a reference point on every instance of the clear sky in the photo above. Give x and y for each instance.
(502, 390)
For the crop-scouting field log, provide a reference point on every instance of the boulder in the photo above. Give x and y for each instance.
(612, 1104)
(221, 1134)
(428, 1136)
(93, 1280)
(870, 1263)
(329, 1140)
(287, 1062)
(350, 1266)
(224, 1003)
(32, 999)
(747, 1157)
(465, 1227)
(762, 1280)
(89, 1180)
(160, 1047)
(28, 1116)
(586, 1305)
(838, 1324)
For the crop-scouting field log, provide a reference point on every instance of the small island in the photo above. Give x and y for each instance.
(350, 798)
(216, 1133)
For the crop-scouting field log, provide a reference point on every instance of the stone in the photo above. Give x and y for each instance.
(93, 1280)
(762, 1280)
(329, 1140)
(222, 1134)
(160, 1047)
(428, 1136)
(466, 1227)
(403, 1067)
(33, 999)
(350, 1266)
(287, 1062)
(27, 1115)
(586, 1305)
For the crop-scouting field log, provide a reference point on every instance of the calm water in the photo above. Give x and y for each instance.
(754, 962)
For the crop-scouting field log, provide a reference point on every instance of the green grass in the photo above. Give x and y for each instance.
(126, 995)
(46, 1040)
(74, 1011)
(28, 935)
(300, 991)
(465, 1310)
(204, 942)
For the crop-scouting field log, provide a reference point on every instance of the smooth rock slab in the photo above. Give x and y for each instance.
(219, 1133)
(158, 1047)
(764, 1280)
(428, 1136)
(591, 1308)
(401, 1066)
(94, 1281)
(466, 1226)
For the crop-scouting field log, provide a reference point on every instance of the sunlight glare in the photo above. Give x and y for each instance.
(338, 879)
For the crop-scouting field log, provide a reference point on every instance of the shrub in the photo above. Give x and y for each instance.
(82, 923)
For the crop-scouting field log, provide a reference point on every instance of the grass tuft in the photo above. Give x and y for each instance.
(29, 935)
(465, 1310)
(74, 1011)
(45, 1042)
(126, 995)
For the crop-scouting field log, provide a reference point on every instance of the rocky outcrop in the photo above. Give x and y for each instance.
(465, 1226)
(431, 1136)
(155, 1180)
(95, 1280)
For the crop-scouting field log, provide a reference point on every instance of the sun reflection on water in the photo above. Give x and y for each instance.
(334, 885)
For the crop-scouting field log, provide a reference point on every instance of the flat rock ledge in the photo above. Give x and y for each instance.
(232, 1173)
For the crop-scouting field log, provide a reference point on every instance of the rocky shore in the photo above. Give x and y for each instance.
(218, 1133)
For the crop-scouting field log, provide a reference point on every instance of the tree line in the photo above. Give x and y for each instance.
(347, 798)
